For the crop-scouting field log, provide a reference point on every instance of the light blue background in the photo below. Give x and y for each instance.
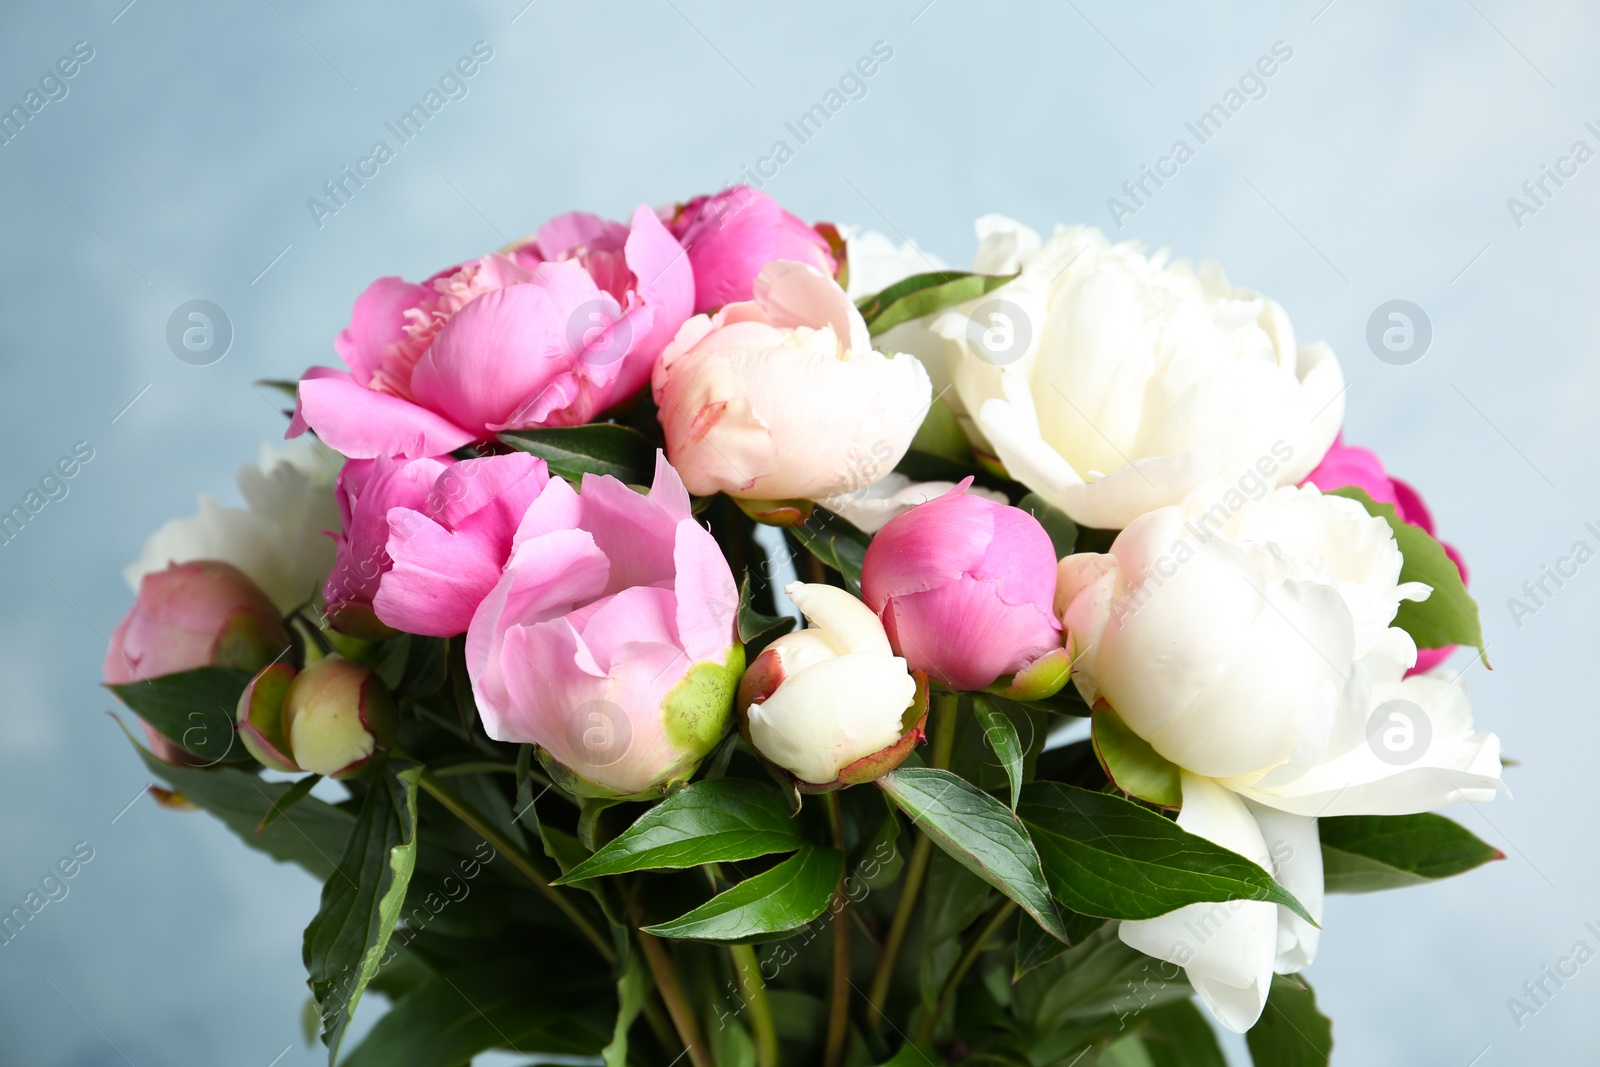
(1376, 167)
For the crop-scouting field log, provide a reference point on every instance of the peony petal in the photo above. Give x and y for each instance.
(1295, 849)
(707, 599)
(833, 713)
(797, 294)
(360, 423)
(377, 321)
(500, 351)
(438, 577)
(1227, 948)
(849, 623)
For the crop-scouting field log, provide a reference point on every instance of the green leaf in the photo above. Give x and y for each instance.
(756, 629)
(1062, 530)
(291, 796)
(941, 435)
(717, 821)
(1291, 1031)
(1130, 762)
(311, 835)
(881, 854)
(1365, 853)
(195, 710)
(923, 294)
(598, 448)
(773, 902)
(477, 1006)
(1177, 1035)
(632, 989)
(953, 898)
(1000, 734)
(345, 943)
(1449, 616)
(1096, 978)
(979, 832)
(1035, 948)
(1110, 857)
(915, 1056)
(837, 543)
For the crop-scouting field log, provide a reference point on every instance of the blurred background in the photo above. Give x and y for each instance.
(1377, 163)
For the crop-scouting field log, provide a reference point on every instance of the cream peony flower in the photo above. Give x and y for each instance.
(1112, 382)
(1250, 643)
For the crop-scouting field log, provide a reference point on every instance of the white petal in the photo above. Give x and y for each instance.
(849, 623)
(1452, 762)
(832, 714)
(1296, 852)
(894, 494)
(1026, 457)
(1227, 948)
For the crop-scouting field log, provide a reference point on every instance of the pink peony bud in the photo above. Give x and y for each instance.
(965, 588)
(192, 615)
(730, 236)
(609, 641)
(1348, 465)
(424, 540)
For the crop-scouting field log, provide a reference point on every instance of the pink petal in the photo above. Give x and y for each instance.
(493, 356)
(438, 577)
(562, 234)
(376, 322)
(500, 488)
(707, 599)
(634, 532)
(359, 423)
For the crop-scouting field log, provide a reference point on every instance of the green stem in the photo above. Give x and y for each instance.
(671, 989)
(969, 956)
(944, 713)
(519, 859)
(839, 1006)
(754, 991)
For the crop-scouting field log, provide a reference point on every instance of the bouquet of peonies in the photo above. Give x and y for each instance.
(754, 643)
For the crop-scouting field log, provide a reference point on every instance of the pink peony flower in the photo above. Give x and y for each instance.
(1348, 465)
(609, 641)
(965, 588)
(423, 541)
(732, 235)
(551, 333)
(192, 615)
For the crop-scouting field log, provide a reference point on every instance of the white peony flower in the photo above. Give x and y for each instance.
(1112, 383)
(1249, 642)
(279, 539)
